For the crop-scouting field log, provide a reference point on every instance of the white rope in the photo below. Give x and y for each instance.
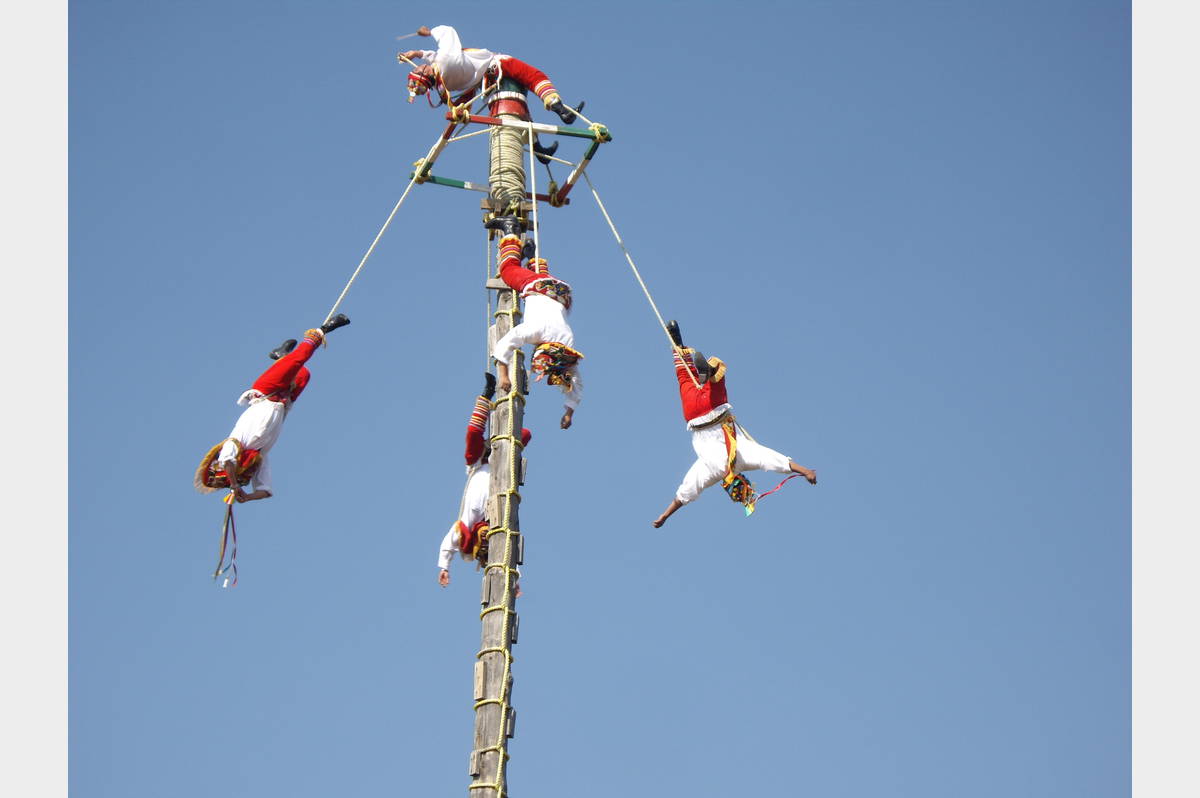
(537, 250)
(638, 275)
(487, 320)
(479, 132)
(577, 113)
(552, 158)
(412, 182)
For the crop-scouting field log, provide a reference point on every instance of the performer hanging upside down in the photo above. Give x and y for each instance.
(547, 302)
(463, 68)
(244, 453)
(723, 448)
(468, 535)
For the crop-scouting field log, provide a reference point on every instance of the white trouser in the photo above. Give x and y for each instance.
(258, 427)
(712, 460)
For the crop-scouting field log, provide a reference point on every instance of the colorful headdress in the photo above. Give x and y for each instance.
(210, 477)
(419, 79)
(423, 80)
(554, 361)
(471, 541)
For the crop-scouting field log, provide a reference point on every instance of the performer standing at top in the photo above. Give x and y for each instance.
(723, 449)
(463, 68)
(468, 535)
(242, 457)
(547, 302)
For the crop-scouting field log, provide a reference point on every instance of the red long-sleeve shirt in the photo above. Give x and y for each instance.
(699, 404)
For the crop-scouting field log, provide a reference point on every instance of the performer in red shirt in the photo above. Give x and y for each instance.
(544, 322)
(468, 535)
(461, 68)
(723, 449)
(244, 452)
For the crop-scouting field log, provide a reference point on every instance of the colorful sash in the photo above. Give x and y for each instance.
(739, 488)
(550, 287)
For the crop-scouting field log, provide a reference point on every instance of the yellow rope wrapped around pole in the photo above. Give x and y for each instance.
(506, 176)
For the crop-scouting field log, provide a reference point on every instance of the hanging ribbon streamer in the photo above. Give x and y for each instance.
(762, 496)
(228, 536)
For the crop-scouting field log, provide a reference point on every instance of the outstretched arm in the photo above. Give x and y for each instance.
(573, 396)
(503, 383)
(249, 497)
(667, 513)
(445, 555)
(503, 351)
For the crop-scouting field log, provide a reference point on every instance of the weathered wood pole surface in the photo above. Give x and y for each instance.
(494, 715)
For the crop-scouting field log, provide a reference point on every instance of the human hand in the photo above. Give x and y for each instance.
(443, 577)
(424, 31)
(504, 384)
(657, 522)
(565, 423)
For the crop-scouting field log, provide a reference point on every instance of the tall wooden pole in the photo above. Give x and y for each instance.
(495, 717)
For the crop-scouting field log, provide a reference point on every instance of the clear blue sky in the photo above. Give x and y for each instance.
(904, 226)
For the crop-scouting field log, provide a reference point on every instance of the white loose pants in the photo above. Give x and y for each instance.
(712, 460)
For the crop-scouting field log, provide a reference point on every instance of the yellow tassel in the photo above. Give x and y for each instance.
(318, 334)
(718, 369)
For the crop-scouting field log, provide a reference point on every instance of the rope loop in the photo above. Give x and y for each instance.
(419, 168)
